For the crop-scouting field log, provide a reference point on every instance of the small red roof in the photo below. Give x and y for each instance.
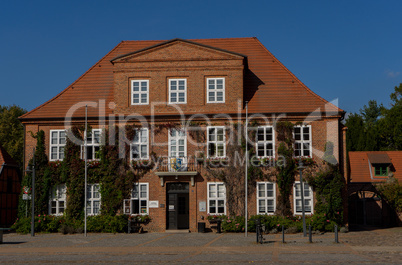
(5, 158)
(279, 91)
(361, 164)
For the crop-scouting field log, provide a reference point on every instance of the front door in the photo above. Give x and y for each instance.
(177, 206)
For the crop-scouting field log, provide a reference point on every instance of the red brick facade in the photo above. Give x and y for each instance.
(245, 80)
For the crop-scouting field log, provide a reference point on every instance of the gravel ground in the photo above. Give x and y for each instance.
(381, 246)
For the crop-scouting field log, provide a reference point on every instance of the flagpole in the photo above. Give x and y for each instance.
(246, 173)
(86, 170)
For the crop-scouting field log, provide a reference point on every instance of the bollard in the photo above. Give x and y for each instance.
(336, 234)
(283, 234)
(310, 239)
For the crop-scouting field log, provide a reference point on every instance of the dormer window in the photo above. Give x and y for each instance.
(380, 170)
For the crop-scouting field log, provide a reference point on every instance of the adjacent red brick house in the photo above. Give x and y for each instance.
(10, 187)
(171, 81)
(367, 168)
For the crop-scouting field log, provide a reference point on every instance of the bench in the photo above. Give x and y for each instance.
(1, 233)
(134, 226)
(218, 223)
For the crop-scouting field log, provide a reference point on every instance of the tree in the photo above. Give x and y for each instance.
(12, 131)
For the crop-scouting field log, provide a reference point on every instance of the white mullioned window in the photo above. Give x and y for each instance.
(139, 199)
(57, 202)
(140, 145)
(93, 199)
(216, 141)
(177, 91)
(139, 92)
(93, 145)
(216, 198)
(302, 136)
(215, 90)
(57, 144)
(177, 143)
(266, 198)
(265, 142)
(308, 198)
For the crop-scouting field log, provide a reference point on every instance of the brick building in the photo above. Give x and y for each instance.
(207, 81)
(10, 187)
(366, 169)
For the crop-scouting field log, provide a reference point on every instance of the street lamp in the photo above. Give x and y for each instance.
(301, 167)
(29, 170)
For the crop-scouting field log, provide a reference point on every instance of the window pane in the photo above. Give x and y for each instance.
(261, 190)
(221, 206)
(221, 150)
(144, 86)
(144, 151)
(62, 137)
(54, 137)
(143, 192)
(212, 134)
(297, 133)
(212, 191)
(212, 149)
(297, 188)
(261, 206)
(221, 190)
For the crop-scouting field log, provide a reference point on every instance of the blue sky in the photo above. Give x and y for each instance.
(350, 50)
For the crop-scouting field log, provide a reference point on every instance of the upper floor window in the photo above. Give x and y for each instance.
(216, 198)
(308, 198)
(265, 142)
(139, 145)
(177, 91)
(93, 145)
(177, 143)
(139, 92)
(57, 202)
(302, 136)
(216, 141)
(266, 197)
(216, 90)
(57, 143)
(93, 199)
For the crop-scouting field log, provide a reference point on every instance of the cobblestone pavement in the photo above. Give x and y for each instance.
(381, 246)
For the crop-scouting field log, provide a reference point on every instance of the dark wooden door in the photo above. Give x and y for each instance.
(177, 215)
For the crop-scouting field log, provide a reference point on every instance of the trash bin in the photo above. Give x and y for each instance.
(201, 227)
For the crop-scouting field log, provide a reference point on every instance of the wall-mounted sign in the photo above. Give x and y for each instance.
(203, 206)
(153, 204)
(26, 197)
(171, 207)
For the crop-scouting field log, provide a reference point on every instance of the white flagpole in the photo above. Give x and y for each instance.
(246, 174)
(85, 158)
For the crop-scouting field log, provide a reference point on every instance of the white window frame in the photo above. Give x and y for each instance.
(58, 195)
(139, 198)
(216, 142)
(302, 141)
(93, 189)
(307, 199)
(176, 138)
(265, 142)
(215, 89)
(216, 198)
(140, 143)
(140, 93)
(177, 91)
(92, 144)
(59, 146)
(266, 198)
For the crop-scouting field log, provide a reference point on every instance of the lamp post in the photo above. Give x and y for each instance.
(246, 174)
(29, 170)
(302, 195)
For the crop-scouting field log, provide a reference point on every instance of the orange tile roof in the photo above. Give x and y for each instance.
(279, 91)
(6, 158)
(360, 165)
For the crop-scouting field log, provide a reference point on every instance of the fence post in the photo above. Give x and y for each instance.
(336, 234)
(310, 236)
(283, 234)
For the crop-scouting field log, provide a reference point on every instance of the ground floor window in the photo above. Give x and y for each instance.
(138, 204)
(266, 197)
(216, 198)
(57, 202)
(93, 199)
(297, 200)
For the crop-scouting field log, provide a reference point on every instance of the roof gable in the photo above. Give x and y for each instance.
(177, 50)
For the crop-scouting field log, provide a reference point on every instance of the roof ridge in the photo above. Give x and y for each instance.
(297, 79)
(72, 84)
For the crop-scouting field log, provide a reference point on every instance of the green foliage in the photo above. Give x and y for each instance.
(107, 223)
(286, 171)
(392, 193)
(12, 132)
(328, 185)
(43, 223)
